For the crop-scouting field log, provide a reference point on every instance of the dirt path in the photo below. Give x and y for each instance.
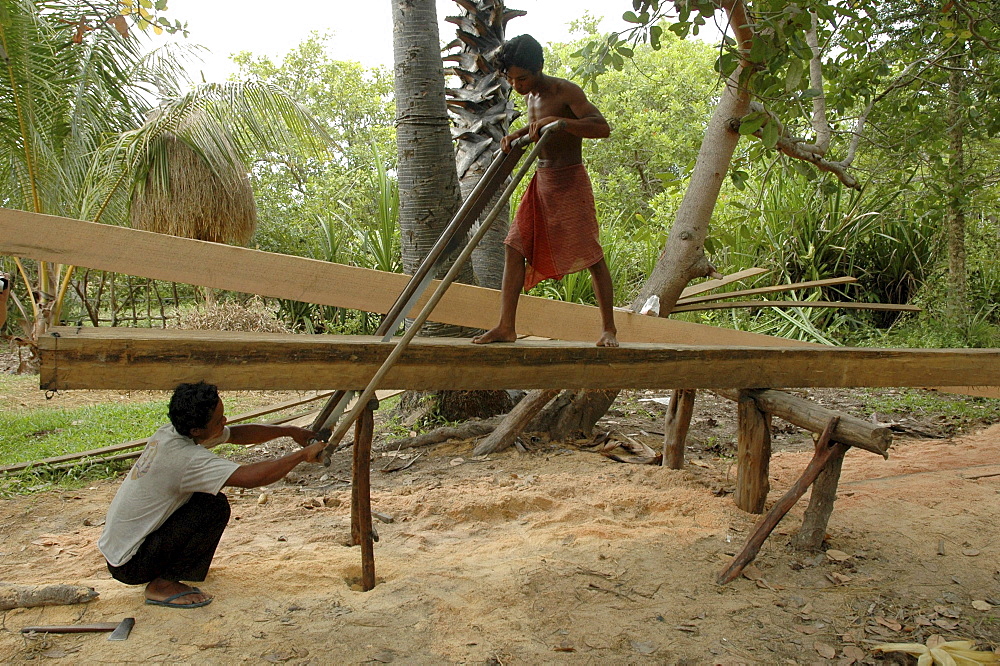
(558, 556)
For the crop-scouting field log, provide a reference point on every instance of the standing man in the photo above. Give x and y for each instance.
(168, 516)
(555, 230)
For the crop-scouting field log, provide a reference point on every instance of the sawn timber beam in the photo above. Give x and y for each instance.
(162, 257)
(134, 359)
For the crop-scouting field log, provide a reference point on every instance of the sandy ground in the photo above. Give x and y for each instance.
(555, 556)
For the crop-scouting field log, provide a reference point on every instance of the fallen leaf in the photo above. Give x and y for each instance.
(948, 625)
(824, 650)
(455, 462)
(970, 552)
(890, 624)
(854, 653)
(981, 605)
(837, 555)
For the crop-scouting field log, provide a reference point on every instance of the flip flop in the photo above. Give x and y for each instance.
(166, 602)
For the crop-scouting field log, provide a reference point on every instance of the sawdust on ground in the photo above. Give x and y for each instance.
(555, 556)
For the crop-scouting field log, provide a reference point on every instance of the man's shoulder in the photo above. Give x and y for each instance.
(563, 86)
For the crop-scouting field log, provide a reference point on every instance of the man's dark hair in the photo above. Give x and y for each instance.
(522, 51)
(192, 406)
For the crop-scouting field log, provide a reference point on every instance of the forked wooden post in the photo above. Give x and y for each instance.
(821, 499)
(675, 427)
(824, 452)
(361, 498)
(753, 455)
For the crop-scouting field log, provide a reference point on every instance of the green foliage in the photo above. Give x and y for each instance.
(955, 413)
(802, 230)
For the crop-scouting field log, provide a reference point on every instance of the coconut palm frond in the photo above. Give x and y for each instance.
(189, 160)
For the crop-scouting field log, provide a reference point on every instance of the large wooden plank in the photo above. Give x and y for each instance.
(161, 257)
(159, 359)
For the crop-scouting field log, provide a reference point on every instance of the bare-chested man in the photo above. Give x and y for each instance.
(555, 230)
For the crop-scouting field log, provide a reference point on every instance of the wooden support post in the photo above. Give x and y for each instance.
(753, 455)
(675, 427)
(821, 499)
(823, 453)
(512, 425)
(361, 499)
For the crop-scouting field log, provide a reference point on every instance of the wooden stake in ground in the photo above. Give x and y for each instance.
(824, 452)
(675, 427)
(753, 455)
(505, 434)
(821, 499)
(361, 499)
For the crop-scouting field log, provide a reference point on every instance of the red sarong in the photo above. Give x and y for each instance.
(555, 227)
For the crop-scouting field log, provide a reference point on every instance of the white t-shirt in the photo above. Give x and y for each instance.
(171, 468)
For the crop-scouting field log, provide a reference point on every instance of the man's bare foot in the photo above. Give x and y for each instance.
(495, 335)
(161, 590)
(608, 340)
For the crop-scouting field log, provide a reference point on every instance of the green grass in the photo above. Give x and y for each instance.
(29, 434)
(955, 413)
(43, 433)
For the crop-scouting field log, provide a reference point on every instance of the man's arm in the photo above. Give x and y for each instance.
(589, 122)
(258, 433)
(262, 473)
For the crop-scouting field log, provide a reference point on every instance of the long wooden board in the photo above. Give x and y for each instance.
(766, 290)
(128, 358)
(162, 257)
(845, 305)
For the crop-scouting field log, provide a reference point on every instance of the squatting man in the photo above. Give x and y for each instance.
(166, 520)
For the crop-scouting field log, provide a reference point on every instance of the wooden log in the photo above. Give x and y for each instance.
(766, 290)
(821, 498)
(362, 532)
(823, 453)
(753, 455)
(161, 359)
(467, 430)
(508, 430)
(29, 596)
(798, 411)
(675, 427)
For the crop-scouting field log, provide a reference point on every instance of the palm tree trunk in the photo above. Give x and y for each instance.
(428, 182)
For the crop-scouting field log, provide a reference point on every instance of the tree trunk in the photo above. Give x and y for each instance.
(957, 198)
(428, 182)
(482, 111)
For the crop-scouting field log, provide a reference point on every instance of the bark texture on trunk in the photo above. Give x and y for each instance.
(428, 182)
(957, 198)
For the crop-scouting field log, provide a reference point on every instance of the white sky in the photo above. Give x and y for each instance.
(361, 30)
